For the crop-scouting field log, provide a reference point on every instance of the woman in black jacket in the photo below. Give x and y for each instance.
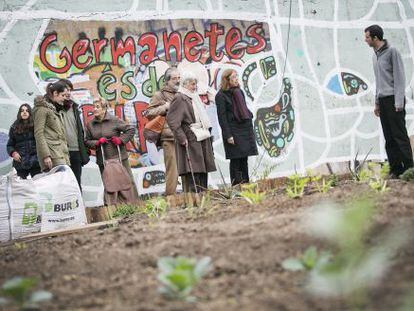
(21, 145)
(236, 126)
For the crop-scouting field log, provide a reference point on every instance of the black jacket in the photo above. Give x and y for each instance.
(242, 132)
(25, 145)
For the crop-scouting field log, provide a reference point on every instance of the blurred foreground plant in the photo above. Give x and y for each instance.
(308, 261)
(18, 290)
(355, 265)
(179, 276)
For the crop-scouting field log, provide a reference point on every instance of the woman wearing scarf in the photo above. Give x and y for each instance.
(187, 118)
(236, 126)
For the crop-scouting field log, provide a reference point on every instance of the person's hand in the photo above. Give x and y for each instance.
(377, 110)
(48, 162)
(185, 143)
(399, 109)
(101, 141)
(211, 94)
(116, 141)
(230, 140)
(16, 156)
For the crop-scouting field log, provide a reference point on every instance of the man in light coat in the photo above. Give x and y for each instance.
(159, 105)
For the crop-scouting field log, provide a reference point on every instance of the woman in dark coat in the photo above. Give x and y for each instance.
(187, 118)
(236, 126)
(105, 133)
(21, 145)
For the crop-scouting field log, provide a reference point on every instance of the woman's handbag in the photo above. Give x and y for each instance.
(114, 176)
(118, 186)
(200, 132)
(152, 129)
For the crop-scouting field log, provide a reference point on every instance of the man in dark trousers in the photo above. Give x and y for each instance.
(75, 136)
(390, 100)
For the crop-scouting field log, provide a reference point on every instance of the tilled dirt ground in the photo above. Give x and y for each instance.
(116, 268)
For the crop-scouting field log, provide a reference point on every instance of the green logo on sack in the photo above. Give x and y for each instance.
(48, 205)
(29, 213)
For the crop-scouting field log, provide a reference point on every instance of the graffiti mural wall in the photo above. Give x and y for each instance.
(305, 70)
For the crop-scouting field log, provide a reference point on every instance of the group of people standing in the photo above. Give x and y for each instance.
(186, 136)
(52, 134)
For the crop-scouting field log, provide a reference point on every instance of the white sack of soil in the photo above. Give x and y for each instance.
(19, 207)
(24, 207)
(60, 199)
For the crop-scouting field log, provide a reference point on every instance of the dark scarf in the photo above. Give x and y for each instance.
(240, 110)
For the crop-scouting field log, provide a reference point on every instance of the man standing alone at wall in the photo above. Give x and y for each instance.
(159, 105)
(390, 100)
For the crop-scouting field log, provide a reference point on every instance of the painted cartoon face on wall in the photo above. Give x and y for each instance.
(274, 125)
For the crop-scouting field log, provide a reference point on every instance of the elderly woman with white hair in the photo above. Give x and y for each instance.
(187, 118)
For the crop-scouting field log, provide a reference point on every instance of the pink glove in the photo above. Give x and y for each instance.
(116, 141)
(101, 141)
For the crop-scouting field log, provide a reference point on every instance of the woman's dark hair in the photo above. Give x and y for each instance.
(58, 86)
(68, 83)
(375, 31)
(21, 125)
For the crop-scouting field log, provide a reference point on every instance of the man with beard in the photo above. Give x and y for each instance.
(159, 105)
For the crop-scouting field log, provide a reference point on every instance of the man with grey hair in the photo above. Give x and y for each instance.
(159, 105)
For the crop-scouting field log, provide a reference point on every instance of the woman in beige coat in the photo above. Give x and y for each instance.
(105, 133)
(188, 121)
(49, 132)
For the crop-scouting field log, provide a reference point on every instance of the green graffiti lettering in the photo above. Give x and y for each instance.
(150, 86)
(126, 81)
(104, 83)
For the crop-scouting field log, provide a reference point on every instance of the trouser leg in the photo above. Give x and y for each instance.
(171, 173)
(34, 171)
(235, 172)
(23, 173)
(397, 142)
(244, 169)
(76, 166)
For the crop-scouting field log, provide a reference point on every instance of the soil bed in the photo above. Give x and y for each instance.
(115, 268)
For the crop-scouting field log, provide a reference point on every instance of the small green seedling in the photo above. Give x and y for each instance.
(124, 210)
(20, 245)
(155, 208)
(252, 194)
(180, 275)
(377, 179)
(408, 175)
(18, 291)
(296, 186)
(308, 261)
(333, 179)
(324, 185)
